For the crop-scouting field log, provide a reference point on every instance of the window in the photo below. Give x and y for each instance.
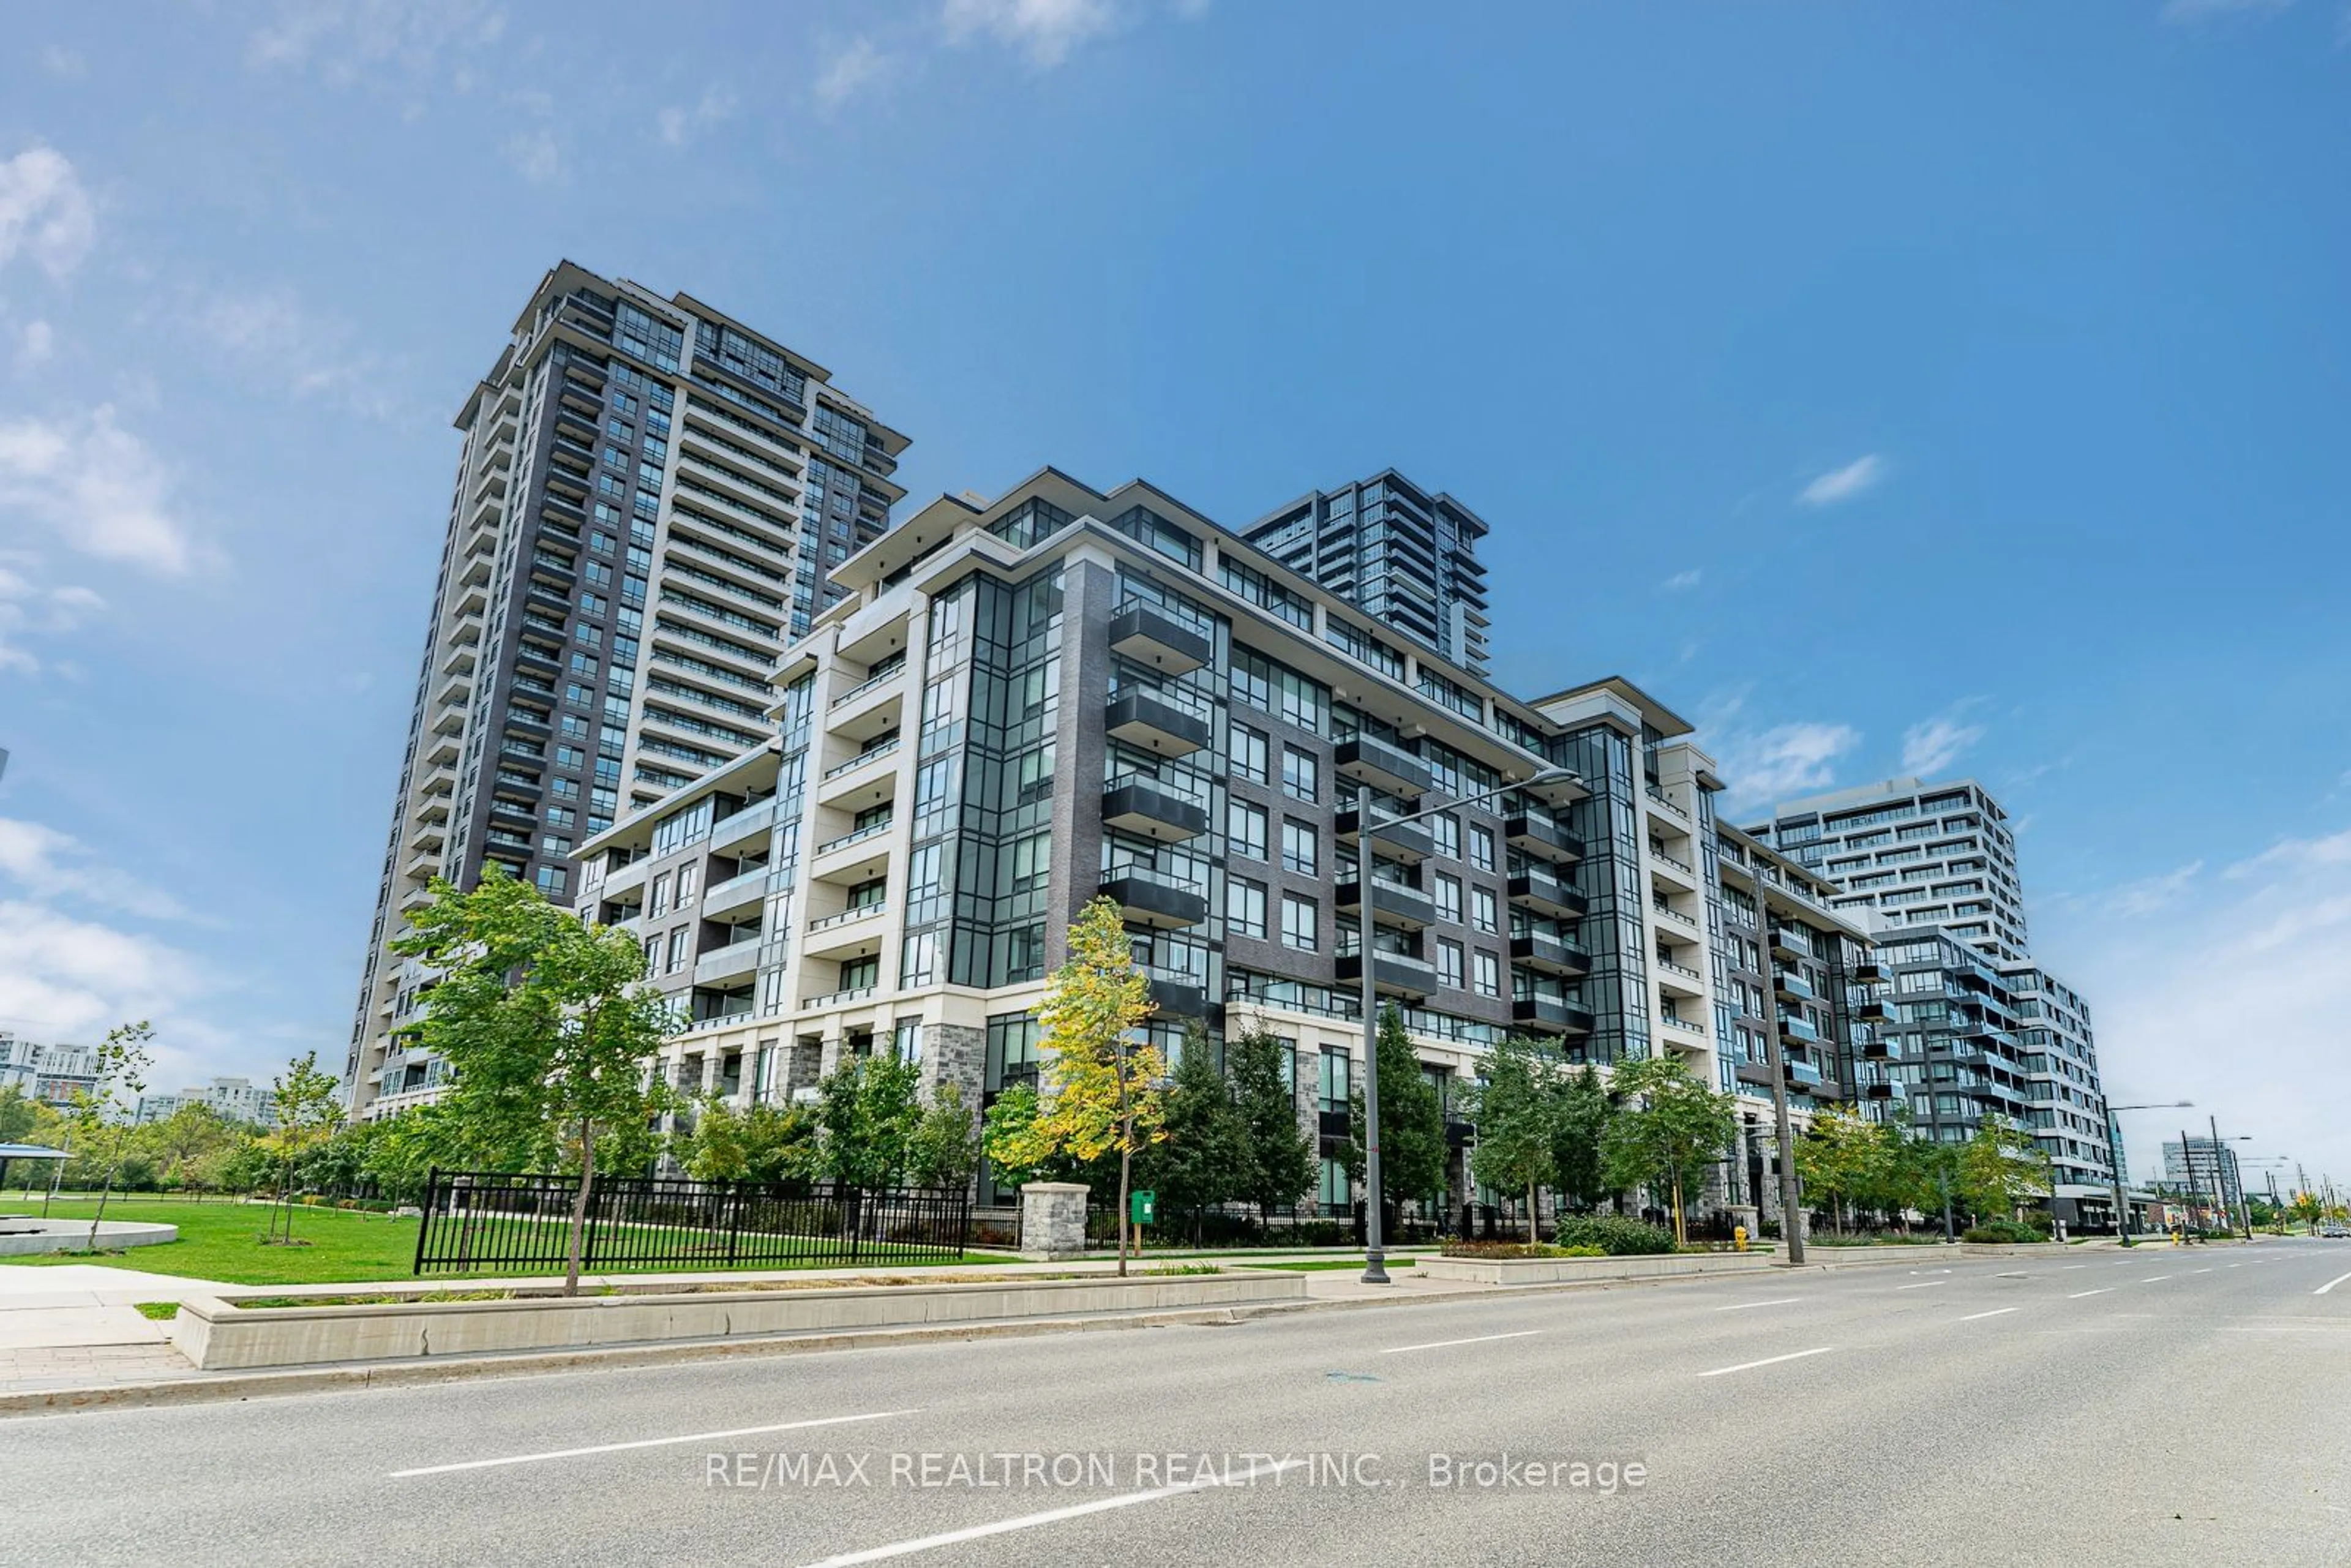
(552, 880)
(1244, 909)
(658, 904)
(1245, 829)
(1249, 754)
(1298, 923)
(1298, 846)
(1448, 898)
(1488, 970)
(677, 940)
(1482, 911)
(1299, 779)
(906, 1039)
(688, 875)
(1446, 829)
(1482, 848)
(1448, 964)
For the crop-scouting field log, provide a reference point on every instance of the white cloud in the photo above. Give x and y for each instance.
(29, 609)
(681, 125)
(1931, 746)
(1844, 483)
(2208, 10)
(49, 864)
(1683, 579)
(1045, 30)
(353, 42)
(536, 155)
(1787, 760)
(86, 483)
(271, 334)
(65, 65)
(36, 341)
(2228, 991)
(850, 71)
(43, 212)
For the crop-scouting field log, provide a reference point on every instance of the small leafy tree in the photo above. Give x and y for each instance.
(944, 1149)
(307, 1110)
(1203, 1160)
(867, 1112)
(1413, 1150)
(19, 1114)
(546, 1029)
(757, 1142)
(1842, 1159)
(1580, 1133)
(1517, 1107)
(103, 1113)
(1277, 1159)
(2309, 1208)
(1670, 1127)
(1106, 1083)
(2001, 1168)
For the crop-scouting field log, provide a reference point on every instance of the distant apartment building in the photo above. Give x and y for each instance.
(50, 1073)
(2203, 1170)
(651, 500)
(2065, 1099)
(1405, 556)
(232, 1099)
(1914, 854)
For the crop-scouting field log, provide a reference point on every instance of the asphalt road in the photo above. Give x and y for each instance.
(2157, 1406)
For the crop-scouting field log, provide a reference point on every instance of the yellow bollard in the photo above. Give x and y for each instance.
(1739, 1238)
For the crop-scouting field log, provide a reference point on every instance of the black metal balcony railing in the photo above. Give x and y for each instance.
(1152, 898)
(1383, 765)
(1392, 903)
(1542, 889)
(1541, 951)
(1397, 974)
(1150, 635)
(1154, 808)
(1554, 1016)
(1152, 723)
(1408, 841)
(1539, 834)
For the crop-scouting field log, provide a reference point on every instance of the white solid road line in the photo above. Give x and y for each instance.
(2066, 1266)
(1993, 1313)
(1051, 1516)
(1767, 1361)
(647, 1443)
(1441, 1343)
(2330, 1284)
(1774, 1301)
(2101, 1290)
(2152, 1279)
(1922, 1285)
(2206, 1271)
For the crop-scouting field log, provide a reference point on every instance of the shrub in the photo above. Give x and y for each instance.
(2003, 1231)
(1614, 1235)
(1519, 1249)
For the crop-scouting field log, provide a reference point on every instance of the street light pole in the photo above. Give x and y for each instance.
(1792, 1224)
(1374, 1252)
(2115, 1154)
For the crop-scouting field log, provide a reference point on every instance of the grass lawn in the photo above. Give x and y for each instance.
(222, 1241)
(1318, 1265)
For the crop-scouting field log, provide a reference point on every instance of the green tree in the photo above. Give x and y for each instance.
(1581, 1133)
(103, 1113)
(2001, 1168)
(1518, 1107)
(1413, 1150)
(1106, 1096)
(1842, 1159)
(19, 1114)
(2309, 1208)
(1203, 1160)
(944, 1149)
(1670, 1128)
(307, 1112)
(867, 1112)
(1278, 1161)
(546, 1028)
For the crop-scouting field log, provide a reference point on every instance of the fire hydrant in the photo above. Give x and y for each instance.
(1738, 1238)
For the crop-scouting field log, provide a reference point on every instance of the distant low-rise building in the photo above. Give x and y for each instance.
(50, 1073)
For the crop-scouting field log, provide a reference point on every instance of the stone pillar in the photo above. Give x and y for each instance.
(1052, 1220)
(957, 1054)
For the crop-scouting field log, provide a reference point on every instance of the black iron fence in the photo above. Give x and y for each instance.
(477, 1222)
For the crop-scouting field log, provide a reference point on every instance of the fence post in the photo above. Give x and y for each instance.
(424, 1220)
(851, 1221)
(588, 1228)
(731, 1205)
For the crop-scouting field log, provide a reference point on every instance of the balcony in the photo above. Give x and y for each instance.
(838, 998)
(865, 759)
(1150, 635)
(1690, 1027)
(1791, 987)
(1407, 842)
(1551, 956)
(752, 821)
(1147, 897)
(1154, 808)
(1151, 723)
(1392, 974)
(1551, 1017)
(1539, 834)
(1797, 1029)
(734, 895)
(1368, 759)
(1172, 998)
(1542, 891)
(1869, 970)
(735, 961)
(1393, 903)
(1874, 1011)
(853, 932)
(1788, 943)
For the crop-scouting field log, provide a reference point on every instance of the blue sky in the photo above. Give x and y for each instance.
(1887, 388)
